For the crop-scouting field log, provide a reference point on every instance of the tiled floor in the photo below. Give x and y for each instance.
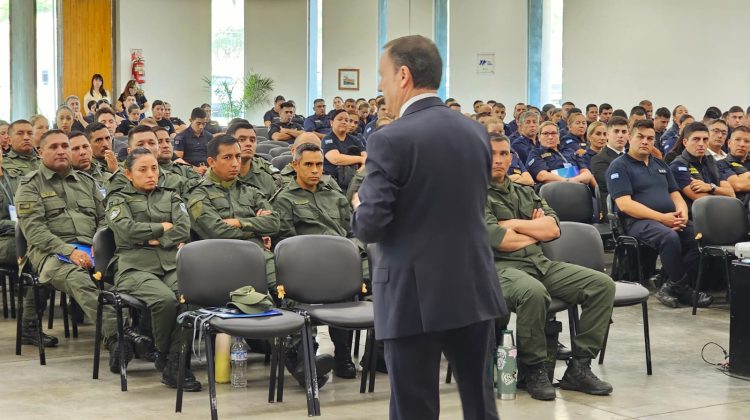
(682, 386)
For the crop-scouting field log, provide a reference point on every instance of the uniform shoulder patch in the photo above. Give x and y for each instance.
(328, 142)
(182, 208)
(300, 202)
(614, 176)
(24, 208)
(114, 212)
(682, 168)
(196, 208)
(662, 171)
(531, 162)
(736, 165)
(46, 194)
(693, 171)
(546, 155)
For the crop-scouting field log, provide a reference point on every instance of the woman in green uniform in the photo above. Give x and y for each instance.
(150, 223)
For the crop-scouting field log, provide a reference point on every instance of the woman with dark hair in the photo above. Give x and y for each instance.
(150, 224)
(344, 153)
(96, 92)
(132, 89)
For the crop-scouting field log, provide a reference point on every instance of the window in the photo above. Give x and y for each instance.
(227, 59)
(4, 60)
(552, 38)
(46, 58)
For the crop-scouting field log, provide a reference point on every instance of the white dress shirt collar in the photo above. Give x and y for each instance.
(414, 99)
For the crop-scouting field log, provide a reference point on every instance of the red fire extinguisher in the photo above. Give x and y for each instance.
(138, 71)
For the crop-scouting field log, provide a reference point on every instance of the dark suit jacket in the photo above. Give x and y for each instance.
(423, 202)
(599, 164)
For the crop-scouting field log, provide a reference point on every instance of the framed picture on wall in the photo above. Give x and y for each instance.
(348, 79)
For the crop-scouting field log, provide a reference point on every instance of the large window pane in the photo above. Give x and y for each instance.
(4, 60)
(46, 57)
(552, 28)
(227, 59)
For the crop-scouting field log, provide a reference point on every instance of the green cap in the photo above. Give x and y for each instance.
(248, 301)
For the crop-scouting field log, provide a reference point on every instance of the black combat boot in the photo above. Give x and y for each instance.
(538, 384)
(30, 335)
(171, 371)
(579, 377)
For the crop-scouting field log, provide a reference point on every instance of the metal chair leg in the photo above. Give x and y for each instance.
(604, 344)
(356, 343)
(646, 337)
(51, 315)
(274, 373)
(373, 359)
(39, 318)
(311, 378)
(64, 305)
(19, 318)
(186, 337)
(5, 280)
(211, 376)
(121, 346)
(698, 283)
(12, 279)
(98, 336)
(280, 373)
(449, 374)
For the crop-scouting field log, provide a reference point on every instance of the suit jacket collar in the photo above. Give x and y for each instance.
(423, 104)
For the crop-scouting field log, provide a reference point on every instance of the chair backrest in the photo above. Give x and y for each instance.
(104, 249)
(260, 139)
(277, 151)
(208, 270)
(720, 220)
(578, 244)
(318, 268)
(265, 156)
(279, 162)
(570, 200)
(277, 143)
(261, 130)
(20, 242)
(265, 147)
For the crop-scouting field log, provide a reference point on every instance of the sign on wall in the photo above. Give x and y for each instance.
(486, 63)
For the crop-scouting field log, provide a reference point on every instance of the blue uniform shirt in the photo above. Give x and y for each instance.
(331, 142)
(369, 128)
(692, 168)
(586, 157)
(650, 185)
(523, 146)
(571, 142)
(195, 148)
(512, 128)
(669, 138)
(272, 116)
(319, 124)
(516, 165)
(546, 159)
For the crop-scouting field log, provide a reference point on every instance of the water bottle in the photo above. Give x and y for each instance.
(506, 369)
(239, 362)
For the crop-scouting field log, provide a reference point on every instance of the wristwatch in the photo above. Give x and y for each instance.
(713, 189)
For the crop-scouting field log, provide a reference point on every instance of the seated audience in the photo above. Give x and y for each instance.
(343, 153)
(318, 122)
(285, 129)
(717, 136)
(549, 164)
(190, 145)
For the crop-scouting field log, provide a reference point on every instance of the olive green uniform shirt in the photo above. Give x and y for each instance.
(508, 200)
(288, 174)
(323, 212)
(262, 177)
(212, 201)
(185, 171)
(8, 186)
(55, 210)
(168, 180)
(20, 165)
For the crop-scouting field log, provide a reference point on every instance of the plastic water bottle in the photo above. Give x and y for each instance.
(506, 368)
(239, 362)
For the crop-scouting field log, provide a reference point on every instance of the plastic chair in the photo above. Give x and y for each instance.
(573, 203)
(280, 162)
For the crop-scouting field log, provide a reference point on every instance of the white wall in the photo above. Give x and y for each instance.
(410, 17)
(350, 40)
(488, 26)
(176, 44)
(689, 52)
(276, 47)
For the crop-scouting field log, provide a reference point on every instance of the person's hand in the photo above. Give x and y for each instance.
(537, 214)
(263, 212)
(111, 159)
(680, 221)
(154, 242)
(180, 245)
(267, 242)
(355, 201)
(699, 186)
(79, 116)
(166, 226)
(233, 223)
(81, 259)
(182, 161)
(671, 219)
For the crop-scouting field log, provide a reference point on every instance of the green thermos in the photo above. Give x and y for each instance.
(506, 369)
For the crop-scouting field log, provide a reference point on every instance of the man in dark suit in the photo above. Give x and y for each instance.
(617, 138)
(435, 286)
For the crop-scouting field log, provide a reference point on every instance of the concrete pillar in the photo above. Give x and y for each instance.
(22, 58)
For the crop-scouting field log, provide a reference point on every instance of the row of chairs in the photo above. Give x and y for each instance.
(325, 293)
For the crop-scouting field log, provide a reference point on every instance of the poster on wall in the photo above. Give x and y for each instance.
(348, 79)
(486, 63)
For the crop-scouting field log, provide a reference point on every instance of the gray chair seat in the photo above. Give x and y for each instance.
(557, 305)
(261, 327)
(627, 294)
(353, 315)
(729, 249)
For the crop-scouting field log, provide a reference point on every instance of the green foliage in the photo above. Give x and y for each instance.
(256, 91)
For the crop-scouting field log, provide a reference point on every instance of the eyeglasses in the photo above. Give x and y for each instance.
(548, 133)
(719, 131)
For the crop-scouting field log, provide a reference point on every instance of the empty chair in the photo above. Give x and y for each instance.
(279, 162)
(573, 203)
(324, 275)
(265, 156)
(235, 264)
(278, 143)
(580, 244)
(260, 139)
(261, 130)
(720, 223)
(265, 147)
(275, 152)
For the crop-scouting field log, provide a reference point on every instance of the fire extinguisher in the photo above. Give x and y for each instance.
(138, 71)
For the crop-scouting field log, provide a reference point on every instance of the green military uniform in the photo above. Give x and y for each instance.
(8, 185)
(183, 170)
(168, 180)
(354, 185)
(213, 200)
(262, 177)
(103, 165)
(20, 164)
(100, 175)
(288, 174)
(145, 271)
(528, 279)
(55, 211)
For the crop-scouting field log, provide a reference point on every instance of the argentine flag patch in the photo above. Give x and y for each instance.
(614, 176)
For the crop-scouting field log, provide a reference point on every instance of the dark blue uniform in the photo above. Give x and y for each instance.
(546, 159)
(523, 146)
(277, 126)
(668, 139)
(317, 123)
(194, 147)
(586, 157)
(687, 167)
(732, 165)
(346, 147)
(370, 127)
(271, 115)
(512, 128)
(572, 142)
(651, 185)
(516, 165)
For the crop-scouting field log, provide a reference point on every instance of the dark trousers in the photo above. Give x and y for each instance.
(678, 251)
(414, 372)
